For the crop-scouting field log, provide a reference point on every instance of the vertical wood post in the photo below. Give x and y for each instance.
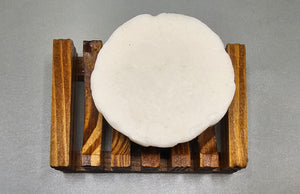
(63, 86)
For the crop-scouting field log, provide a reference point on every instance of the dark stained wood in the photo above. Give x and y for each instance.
(120, 151)
(136, 164)
(234, 125)
(180, 157)
(208, 153)
(150, 158)
(80, 69)
(63, 86)
(164, 161)
(93, 120)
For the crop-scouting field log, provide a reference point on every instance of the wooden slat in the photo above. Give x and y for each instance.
(91, 150)
(208, 153)
(234, 144)
(120, 151)
(63, 86)
(180, 157)
(164, 159)
(150, 158)
(135, 157)
(93, 120)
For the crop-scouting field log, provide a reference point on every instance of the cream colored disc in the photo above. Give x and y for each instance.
(162, 80)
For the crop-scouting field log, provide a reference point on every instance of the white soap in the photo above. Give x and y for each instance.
(162, 80)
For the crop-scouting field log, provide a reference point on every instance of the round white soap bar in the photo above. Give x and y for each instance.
(162, 80)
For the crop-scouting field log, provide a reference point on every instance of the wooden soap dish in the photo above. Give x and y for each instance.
(198, 155)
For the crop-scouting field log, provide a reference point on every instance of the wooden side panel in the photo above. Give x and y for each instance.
(93, 120)
(120, 151)
(63, 77)
(180, 157)
(208, 153)
(235, 147)
(150, 158)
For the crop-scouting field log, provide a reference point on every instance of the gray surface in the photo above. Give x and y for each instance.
(270, 30)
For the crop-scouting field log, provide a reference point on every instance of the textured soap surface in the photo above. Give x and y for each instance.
(162, 80)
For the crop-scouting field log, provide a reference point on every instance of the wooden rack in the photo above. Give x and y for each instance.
(198, 155)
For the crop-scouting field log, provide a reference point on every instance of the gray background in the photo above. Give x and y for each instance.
(270, 30)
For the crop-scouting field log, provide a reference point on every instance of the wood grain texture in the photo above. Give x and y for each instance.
(234, 144)
(63, 86)
(208, 153)
(91, 150)
(93, 120)
(180, 157)
(120, 151)
(150, 158)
